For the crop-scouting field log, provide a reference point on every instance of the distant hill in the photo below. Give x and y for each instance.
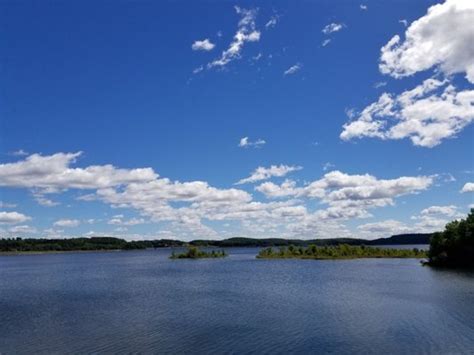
(414, 238)
(404, 239)
(108, 243)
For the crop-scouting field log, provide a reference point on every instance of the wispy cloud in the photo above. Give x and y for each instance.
(262, 173)
(332, 27)
(19, 153)
(326, 42)
(293, 69)
(246, 143)
(380, 84)
(246, 32)
(272, 22)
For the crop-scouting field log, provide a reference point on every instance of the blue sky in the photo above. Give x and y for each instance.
(338, 127)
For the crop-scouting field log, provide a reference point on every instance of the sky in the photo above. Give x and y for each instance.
(218, 119)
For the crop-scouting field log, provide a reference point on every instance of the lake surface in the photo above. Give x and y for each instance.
(140, 301)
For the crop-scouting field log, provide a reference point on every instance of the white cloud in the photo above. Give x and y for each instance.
(293, 69)
(427, 114)
(272, 22)
(118, 220)
(52, 173)
(204, 45)
(434, 218)
(68, 223)
(380, 84)
(271, 190)
(246, 143)
(363, 7)
(189, 209)
(326, 42)
(332, 27)
(449, 211)
(443, 38)
(262, 173)
(246, 32)
(22, 229)
(468, 187)
(349, 196)
(13, 217)
(434, 110)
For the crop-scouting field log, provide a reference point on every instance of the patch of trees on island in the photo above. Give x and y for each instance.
(195, 253)
(342, 251)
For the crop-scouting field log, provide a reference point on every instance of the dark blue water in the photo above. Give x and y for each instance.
(122, 302)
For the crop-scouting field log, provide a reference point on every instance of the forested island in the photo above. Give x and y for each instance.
(454, 247)
(196, 253)
(342, 251)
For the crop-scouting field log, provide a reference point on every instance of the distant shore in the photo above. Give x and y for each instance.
(21, 246)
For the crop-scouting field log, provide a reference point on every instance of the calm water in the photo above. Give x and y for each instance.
(141, 301)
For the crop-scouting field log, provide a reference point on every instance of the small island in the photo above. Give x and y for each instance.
(195, 253)
(342, 251)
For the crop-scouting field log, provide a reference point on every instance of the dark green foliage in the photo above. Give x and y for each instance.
(81, 244)
(342, 251)
(454, 247)
(194, 253)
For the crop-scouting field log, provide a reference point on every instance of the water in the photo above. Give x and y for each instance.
(140, 301)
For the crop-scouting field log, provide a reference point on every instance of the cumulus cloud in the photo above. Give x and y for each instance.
(246, 143)
(52, 173)
(443, 38)
(427, 114)
(434, 218)
(363, 7)
(262, 173)
(285, 189)
(332, 27)
(13, 217)
(449, 211)
(68, 223)
(293, 69)
(468, 187)
(246, 32)
(435, 110)
(349, 196)
(204, 45)
(187, 209)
